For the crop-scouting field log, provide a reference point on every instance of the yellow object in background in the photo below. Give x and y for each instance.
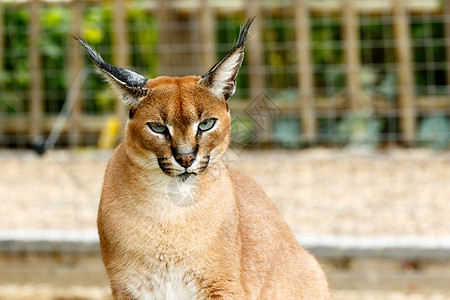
(109, 134)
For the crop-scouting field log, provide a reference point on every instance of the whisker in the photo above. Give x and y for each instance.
(151, 163)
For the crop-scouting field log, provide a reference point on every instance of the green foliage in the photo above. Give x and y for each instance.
(287, 132)
(427, 35)
(105, 100)
(277, 37)
(359, 130)
(288, 94)
(327, 130)
(434, 131)
(96, 30)
(15, 77)
(326, 41)
(96, 24)
(143, 42)
(55, 22)
(388, 86)
(377, 77)
(242, 133)
(334, 79)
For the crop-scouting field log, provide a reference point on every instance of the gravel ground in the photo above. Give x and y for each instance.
(12, 292)
(329, 192)
(401, 192)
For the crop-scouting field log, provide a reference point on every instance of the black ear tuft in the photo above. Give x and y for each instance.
(221, 78)
(243, 32)
(129, 85)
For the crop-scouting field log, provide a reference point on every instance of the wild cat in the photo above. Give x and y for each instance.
(228, 241)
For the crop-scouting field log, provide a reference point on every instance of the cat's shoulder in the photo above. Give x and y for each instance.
(247, 191)
(242, 181)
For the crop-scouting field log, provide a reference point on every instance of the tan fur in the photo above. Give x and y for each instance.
(174, 221)
(231, 243)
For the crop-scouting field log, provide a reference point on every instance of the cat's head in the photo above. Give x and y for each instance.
(177, 125)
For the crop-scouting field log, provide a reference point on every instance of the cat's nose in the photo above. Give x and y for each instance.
(185, 159)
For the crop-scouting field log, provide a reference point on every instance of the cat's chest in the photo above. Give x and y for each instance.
(165, 285)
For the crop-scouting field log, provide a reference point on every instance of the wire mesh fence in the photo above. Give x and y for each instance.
(368, 74)
(365, 73)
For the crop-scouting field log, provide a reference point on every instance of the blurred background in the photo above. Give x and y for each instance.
(342, 114)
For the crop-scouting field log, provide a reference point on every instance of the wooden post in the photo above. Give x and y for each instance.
(2, 118)
(163, 15)
(2, 44)
(176, 41)
(121, 49)
(404, 72)
(351, 49)
(255, 67)
(305, 78)
(254, 51)
(447, 39)
(206, 30)
(76, 66)
(36, 107)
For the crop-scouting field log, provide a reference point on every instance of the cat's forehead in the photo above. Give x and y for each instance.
(169, 81)
(181, 99)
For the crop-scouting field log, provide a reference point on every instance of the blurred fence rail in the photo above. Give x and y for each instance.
(318, 85)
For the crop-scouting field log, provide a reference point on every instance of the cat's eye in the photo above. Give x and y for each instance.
(207, 124)
(157, 127)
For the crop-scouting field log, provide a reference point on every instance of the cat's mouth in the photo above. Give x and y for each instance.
(169, 169)
(185, 175)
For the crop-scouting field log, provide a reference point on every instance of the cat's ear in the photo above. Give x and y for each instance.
(221, 78)
(128, 85)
